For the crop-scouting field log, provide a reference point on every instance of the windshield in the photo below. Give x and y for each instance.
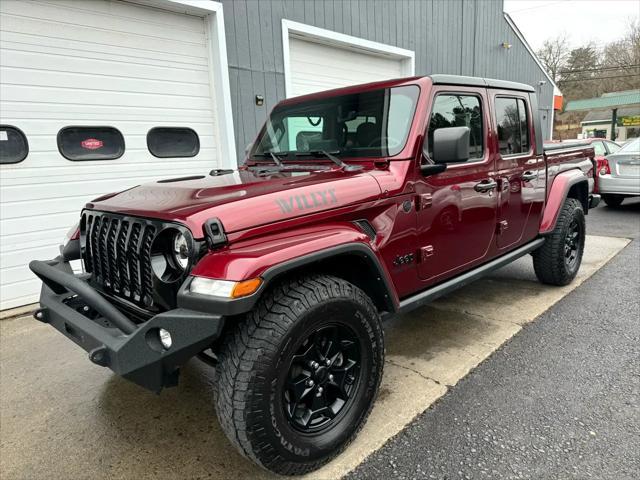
(367, 124)
(631, 147)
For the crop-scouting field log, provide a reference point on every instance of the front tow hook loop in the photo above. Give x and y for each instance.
(99, 356)
(41, 315)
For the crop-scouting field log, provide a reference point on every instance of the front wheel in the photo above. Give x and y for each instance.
(298, 377)
(558, 260)
(613, 201)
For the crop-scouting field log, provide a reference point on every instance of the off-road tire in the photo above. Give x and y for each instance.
(550, 260)
(613, 201)
(255, 358)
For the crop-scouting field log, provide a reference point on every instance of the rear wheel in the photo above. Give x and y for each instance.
(297, 379)
(558, 260)
(612, 200)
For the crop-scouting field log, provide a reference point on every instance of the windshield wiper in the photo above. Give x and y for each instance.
(334, 159)
(273, 155)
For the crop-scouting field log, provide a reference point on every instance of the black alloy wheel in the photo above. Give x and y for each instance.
(572, 244)
(322, 378)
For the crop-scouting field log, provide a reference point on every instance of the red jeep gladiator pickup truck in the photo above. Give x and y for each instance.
(353, 205)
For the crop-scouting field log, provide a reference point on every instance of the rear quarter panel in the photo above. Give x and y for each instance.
(564, 170)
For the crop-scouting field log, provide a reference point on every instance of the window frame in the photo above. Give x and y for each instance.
(608, 150)
(605, 148)
(515, 97)
(177, 128)
(26, 143)
(467, 93)
(59, 143)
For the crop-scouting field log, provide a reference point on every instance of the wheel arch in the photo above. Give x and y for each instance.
(356, 263)
(568, 184)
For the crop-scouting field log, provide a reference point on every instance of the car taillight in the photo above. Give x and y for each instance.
(603, 167)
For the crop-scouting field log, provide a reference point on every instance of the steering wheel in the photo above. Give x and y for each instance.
(390, 142)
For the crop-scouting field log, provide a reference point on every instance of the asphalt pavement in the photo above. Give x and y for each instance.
(560, 400)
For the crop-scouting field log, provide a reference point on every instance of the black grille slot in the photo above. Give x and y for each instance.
(117, 251)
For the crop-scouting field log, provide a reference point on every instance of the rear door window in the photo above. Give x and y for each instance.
(512, 121)
(90, 143)
(14, 147)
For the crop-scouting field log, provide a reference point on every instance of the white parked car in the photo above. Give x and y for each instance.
(619, 175)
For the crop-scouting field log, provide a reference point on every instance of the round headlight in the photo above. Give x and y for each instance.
(181, 250)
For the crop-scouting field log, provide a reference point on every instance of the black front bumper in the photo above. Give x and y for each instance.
(78, 311)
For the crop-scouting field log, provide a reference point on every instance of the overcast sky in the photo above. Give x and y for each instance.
(600, 21)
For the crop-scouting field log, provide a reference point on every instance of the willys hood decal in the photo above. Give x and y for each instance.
(242, 199)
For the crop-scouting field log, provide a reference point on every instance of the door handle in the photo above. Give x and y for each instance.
(526, 176)
(485, 186)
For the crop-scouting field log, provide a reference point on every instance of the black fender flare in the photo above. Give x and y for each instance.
(383, 286)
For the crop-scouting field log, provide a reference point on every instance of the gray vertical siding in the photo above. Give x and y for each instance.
(460, 37)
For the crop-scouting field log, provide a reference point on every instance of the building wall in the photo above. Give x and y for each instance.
(460, 37)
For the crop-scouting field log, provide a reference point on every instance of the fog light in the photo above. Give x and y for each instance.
(165, 338)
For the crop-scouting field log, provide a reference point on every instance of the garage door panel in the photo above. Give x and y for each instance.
(24, 242)
(36, 175)
(98, 63)
(47, 161)
(57, 95)
(55, 20)
(118, 9)
(18, 193)
(60, 30)
(345, 60)
(37, 223)
(41, 78)
(97, 114)
(109, 54)
(21, 293)
(316, 66)
(115, 61)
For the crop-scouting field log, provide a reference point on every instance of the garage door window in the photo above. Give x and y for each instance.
(13, 145)
(171, 142)
(90, 143)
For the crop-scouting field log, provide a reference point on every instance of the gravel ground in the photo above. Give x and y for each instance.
(560, 400)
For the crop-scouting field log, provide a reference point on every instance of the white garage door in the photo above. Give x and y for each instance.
(316, 66)
(82, 64)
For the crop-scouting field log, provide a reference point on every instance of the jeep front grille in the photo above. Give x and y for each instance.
(117, 251)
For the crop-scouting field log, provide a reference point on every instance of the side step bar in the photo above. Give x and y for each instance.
(420, 299)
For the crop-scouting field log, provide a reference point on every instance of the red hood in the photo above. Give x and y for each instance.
(242, 199)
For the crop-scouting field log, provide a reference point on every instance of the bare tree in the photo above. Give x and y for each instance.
(554, 54)
(622, 61)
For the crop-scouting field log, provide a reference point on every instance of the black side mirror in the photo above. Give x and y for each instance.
(431, 169)
(451, 145)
